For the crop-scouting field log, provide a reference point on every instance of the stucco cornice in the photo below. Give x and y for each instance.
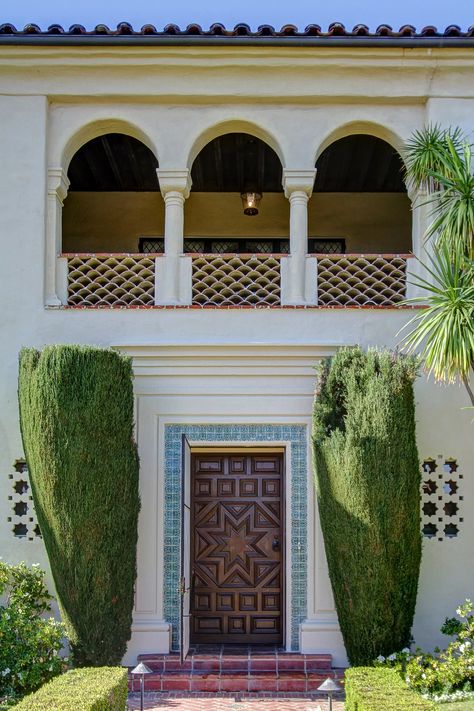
(230, 359)
(214, 75)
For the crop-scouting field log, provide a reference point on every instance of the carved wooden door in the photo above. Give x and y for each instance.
(237, 548)
(185, 581)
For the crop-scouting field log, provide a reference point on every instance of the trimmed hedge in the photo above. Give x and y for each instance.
(367, 478)
(381, 689)
(76, 416)
(87, 689)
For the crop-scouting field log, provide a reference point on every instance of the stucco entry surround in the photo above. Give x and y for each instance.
(224, 396)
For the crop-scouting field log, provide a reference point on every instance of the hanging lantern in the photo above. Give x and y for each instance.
(250, 202)
(251, 188)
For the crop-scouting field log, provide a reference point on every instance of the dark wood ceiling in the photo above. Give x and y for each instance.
(236, 162)
(359, 163)
(114, 162)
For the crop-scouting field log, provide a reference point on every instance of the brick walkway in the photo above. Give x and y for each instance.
(231, 702)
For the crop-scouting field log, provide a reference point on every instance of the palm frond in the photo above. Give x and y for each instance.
(426, 153)
(440, 162)
(443, 332)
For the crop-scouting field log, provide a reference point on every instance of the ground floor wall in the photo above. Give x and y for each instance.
(223, 393)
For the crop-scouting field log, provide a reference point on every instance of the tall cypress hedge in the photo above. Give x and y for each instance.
(367, 480)
(76, 415)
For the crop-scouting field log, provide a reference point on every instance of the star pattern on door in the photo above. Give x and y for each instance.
(236, 533)
(234, 551)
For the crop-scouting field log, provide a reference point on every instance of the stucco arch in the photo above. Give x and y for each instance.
(233, 126)
(367, 127)
(101, 127)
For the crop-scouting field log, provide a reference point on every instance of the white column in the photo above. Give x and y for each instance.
(58, 185)
(296, 278)
(175, 186)
(422, 247)
(298, 222)
(174, 222)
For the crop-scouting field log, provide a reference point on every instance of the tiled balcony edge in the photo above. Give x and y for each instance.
(230, 307)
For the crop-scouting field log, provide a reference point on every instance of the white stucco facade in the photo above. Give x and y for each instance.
(219, 365)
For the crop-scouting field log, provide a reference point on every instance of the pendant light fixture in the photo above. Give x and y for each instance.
(250, 202)
(251, 194)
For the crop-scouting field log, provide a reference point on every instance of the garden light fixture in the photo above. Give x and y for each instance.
(329, 687)
(141, 669)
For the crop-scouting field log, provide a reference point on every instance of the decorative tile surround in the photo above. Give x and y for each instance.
(296, 436)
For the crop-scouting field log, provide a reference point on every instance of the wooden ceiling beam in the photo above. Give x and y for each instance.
(240, 162)
(89, 158)
(219, 167)
(138, 174)
(112, 162)
(261, 165)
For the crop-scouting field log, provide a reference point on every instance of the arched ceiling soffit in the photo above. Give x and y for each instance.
(234, 162)
(359, 163)
(83, 134)
(113, 162)
(233, 126)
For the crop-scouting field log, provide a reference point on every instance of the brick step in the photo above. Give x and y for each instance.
(247, 663)
(285, 681)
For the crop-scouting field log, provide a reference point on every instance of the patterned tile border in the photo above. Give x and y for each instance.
(296, 436)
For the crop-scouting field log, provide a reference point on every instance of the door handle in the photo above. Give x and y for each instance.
(276, 543)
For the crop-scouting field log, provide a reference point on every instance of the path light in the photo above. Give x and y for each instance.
(141, 670)
(329, 687)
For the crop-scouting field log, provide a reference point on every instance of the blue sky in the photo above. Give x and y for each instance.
(275, 12)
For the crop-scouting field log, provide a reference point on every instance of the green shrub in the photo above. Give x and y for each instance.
(367, 480)
(29, 643)
(93, 689)
(451, 670)
(370, 689)
(76, 415)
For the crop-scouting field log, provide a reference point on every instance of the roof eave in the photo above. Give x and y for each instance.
(140, 40)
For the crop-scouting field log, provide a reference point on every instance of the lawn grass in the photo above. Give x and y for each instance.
(458, 706)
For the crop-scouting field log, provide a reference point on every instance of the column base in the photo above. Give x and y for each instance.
(173, 280)
(148, 637)
(323, 636)
(52, 301)
(299, 277)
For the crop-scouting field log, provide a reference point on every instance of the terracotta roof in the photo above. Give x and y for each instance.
(217, 33)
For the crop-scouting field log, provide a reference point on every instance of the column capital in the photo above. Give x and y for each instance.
(58, 183)
(298, 180)
(174, 181)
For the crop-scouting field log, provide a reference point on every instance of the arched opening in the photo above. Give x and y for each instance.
(229, 165)
(114, 203)
(360, 203)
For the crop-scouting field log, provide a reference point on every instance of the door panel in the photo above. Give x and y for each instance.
(186, 578)
(237, 548)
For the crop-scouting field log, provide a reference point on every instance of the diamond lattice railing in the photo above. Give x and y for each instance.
(361, 280)
(111, 280)
(236, 280)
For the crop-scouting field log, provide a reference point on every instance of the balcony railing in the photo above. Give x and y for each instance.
(361, 279)
(223, 280)
(111, 280)
(236, 280)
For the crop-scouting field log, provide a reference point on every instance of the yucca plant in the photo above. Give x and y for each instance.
(440, 162)
(444, 331)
